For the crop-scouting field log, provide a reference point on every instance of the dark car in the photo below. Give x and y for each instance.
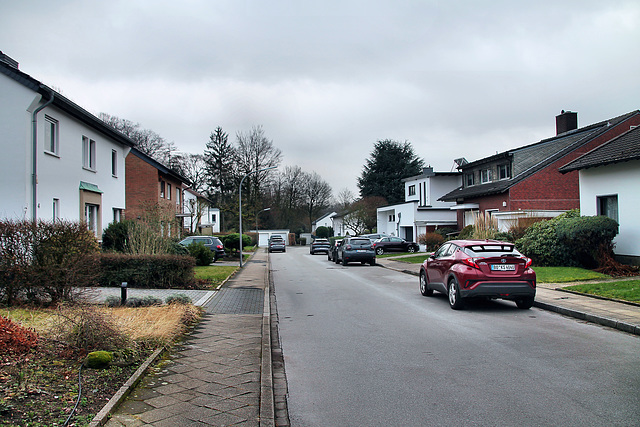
(355, 249)
(394, 244)
(276, 243)
(373, 237)
(210, 242)
(331, 255)
(492, 269)
(320, 245)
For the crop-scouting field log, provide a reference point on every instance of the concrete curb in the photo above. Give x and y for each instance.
(267, 403)
(600, 320)
(102, 416)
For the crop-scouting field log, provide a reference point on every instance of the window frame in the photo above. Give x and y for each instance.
(412, 190)
(485, 176)
(608, 205)
(470, 176)
(507, 171)
(52, 136)
(114, 163)
(88, 153)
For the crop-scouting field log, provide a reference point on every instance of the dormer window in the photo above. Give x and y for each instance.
(412, 190)
(469, 179)
(485, 175)
(504, 171)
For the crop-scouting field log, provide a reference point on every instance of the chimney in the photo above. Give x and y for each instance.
(428, 171)
(9, 61)
(566, 121)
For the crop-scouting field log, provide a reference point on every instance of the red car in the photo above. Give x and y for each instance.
(465, 269)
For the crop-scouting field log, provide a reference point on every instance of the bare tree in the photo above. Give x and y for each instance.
(193, 167)
(345, 199)
(317, 194)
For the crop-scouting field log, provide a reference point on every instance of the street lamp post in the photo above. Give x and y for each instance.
(258, 234)
(240, 203)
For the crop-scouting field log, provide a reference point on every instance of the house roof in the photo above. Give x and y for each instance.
(9, 68)
(328, 214)
(198, 195)
(162, 168)
(428, 172)
(529, 159)
(622, 148)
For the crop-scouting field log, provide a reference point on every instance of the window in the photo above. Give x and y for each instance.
(485, 175)
(91, 217)
(469, 179)
(88, 153)
(608, 206)
(56, 209)
(504, 172)
(178, 196)
(213, 218)
(51, 135)
(412, 190)
(168, 191)
(117, 215)
(114, 163)
(392, 218)
(162, 189)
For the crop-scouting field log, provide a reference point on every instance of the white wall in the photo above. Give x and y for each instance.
(621, 179)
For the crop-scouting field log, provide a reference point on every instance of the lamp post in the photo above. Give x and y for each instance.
(258, 234)
(240, 203)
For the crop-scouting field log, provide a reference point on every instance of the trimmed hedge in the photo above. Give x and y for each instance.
(147, 271)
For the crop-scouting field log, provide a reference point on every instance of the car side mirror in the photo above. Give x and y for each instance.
(432, 256)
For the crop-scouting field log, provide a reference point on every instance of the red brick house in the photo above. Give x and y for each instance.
(154, 192)
(525, 182)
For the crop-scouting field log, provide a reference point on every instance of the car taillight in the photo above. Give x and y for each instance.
(348, 247)
(471, 262)
(219, 246)
(528, 262)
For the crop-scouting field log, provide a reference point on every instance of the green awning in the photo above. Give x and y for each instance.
(89, 187)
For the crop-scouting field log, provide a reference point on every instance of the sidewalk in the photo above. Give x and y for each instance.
(221, 375)
(618, 315)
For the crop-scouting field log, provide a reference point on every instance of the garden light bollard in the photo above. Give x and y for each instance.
(123, 293)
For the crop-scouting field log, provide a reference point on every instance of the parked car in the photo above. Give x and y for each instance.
(331, 255)
(319, 245)
(355, 249)
(210, 242)
(394, 244)
(373, 237)
(464, 269)
(276, 243)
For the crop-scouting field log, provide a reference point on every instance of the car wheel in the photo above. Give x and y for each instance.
(372, 262)
(379, 251)
(344, 261)
(335, 259)
(455, 301)
(525, 303)
(411, 249)
(328, 257)
(424, 285)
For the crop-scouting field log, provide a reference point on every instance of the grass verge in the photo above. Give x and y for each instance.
(214, 275)
(626, 290)
(566, 274)
(416, 259)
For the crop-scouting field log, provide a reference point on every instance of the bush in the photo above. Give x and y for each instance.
(444, 232)
(112, 301)
(14, 338)
(150, 300)
(323, 232)
(231, 242)
(202, 254)
(115, 237)
(98, 359)
(466, 232)
(178, 299)
(147, 271)
(568, 240)
(42, 262)
(504, 236)
(431, 240)
(133, 302)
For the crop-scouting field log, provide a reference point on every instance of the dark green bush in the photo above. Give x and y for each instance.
(202, 254)
(133, 302)
(116, 235)
(147, 271)
(504, 236)
(444, 232)
(466, 232)
(323, 232)
(231, 242)
(567, 240)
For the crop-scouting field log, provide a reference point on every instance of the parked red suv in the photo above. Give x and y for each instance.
(479, 268)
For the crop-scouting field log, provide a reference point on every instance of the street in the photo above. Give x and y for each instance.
(362, 347)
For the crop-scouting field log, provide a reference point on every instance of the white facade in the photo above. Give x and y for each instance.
(79, 163)
(422, 209)
(621, 180)
(200, 216)
(323, 221)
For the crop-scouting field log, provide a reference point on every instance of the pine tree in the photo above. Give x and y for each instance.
(221, 160)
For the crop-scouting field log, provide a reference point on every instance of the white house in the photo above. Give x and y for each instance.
(325, 220)
(609, 176)
(59, 161)
(339, 226)
(199, 214)
(422, 211)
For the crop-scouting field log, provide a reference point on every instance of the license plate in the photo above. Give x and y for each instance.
(361, 250)
(503, 267)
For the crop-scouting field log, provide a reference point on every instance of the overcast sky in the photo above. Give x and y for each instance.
(327, 79)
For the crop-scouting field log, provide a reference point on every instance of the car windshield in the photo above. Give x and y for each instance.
(360, 242)
(492, 250)
(321, 241)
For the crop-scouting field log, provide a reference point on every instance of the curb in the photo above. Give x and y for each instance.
(267, 402)
(102, 416)
(600, 320)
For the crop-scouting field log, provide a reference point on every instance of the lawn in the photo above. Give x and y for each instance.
(627, 290)
(566, 274)
(416, 259)
(215, 274)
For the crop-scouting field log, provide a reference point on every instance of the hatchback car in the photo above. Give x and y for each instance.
(319, 245)
(210, 242)
(394, 244)
(355, 249)
(491, 269)
(276, 243)
(333, 249)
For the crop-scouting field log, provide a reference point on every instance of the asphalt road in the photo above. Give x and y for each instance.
(362, 347)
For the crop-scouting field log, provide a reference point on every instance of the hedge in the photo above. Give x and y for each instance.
(147, 271)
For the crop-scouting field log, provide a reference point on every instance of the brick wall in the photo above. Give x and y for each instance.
(143, 186)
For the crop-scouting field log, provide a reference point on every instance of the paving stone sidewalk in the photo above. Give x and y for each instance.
(216, 377)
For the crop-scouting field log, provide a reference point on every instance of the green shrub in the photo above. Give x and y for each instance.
(133, 302)
(115, 237)
(150, 300)
(444, 232)
(323, 232)
(98, 359)
(231, 242)
(112, 301)
(202, 254)
(147, 271)
(466, 232)
(178, 299)
(503, 236)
